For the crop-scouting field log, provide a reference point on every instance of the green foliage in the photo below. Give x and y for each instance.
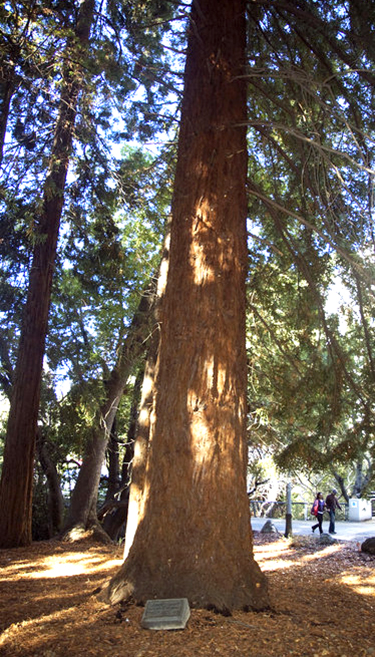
(311, 170)
(108, 257)
(311, 131)
(109, 244)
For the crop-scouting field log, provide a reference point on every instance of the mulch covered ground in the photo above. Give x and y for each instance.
(323, 603)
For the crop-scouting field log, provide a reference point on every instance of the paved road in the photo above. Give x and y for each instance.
(346, 531)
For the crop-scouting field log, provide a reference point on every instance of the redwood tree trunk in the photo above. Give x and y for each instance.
(194, 539)
(17, 474)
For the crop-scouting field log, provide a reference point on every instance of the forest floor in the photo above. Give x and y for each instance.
(322, 604)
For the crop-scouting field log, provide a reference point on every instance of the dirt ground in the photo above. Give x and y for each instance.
(322, 603)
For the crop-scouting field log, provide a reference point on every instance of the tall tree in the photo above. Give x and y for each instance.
(194, 538)
(17, 473)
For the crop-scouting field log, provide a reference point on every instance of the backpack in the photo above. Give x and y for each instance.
(314, 508)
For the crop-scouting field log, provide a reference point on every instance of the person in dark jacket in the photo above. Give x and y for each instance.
(319, 503)
(332, 504)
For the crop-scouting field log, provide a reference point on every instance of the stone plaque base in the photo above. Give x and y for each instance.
(172, 614)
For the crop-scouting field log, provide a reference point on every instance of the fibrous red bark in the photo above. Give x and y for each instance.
(193, 538)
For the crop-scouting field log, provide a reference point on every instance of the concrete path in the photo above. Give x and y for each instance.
(345, 531)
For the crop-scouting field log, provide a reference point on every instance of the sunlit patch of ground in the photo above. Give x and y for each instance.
(355, 581)
(62, 565)
(48, 606)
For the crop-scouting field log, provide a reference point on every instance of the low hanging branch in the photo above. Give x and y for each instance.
(328, 239)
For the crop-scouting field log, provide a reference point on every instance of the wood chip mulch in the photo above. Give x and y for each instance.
(322, 604)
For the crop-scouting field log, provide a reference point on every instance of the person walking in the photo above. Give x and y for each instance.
(318, 510)
(332, 504)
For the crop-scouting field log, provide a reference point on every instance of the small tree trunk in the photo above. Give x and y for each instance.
(7, 374)
(288, 512)
(341, 483)
(114, 511)
(7, 81)
(361, 479)
(84, 498)
(17, 475)
(113, 458)
(357, 486)
(55, 496)
(138, 469)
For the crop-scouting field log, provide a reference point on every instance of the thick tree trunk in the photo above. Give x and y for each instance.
(17, 474)
(83, 502)
(194, 538)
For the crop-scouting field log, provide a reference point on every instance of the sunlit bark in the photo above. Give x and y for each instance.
(194, 538)
(141, 445)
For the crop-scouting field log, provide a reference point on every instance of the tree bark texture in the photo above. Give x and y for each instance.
(17, 474)
(141, 443)
(194, 537)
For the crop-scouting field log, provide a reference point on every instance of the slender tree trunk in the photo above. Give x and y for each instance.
(341, 483)
(17, 474)
(357, 487)
(194, 537)
(113, 458)
(7, 374)
(83, 502)
(117, 501)
(55, 496)
(141, 444)
(365, 327)
(7, 83)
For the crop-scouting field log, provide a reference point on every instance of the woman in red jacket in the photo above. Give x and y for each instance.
(318, 510)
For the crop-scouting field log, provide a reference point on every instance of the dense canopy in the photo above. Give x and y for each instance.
(90, 99)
